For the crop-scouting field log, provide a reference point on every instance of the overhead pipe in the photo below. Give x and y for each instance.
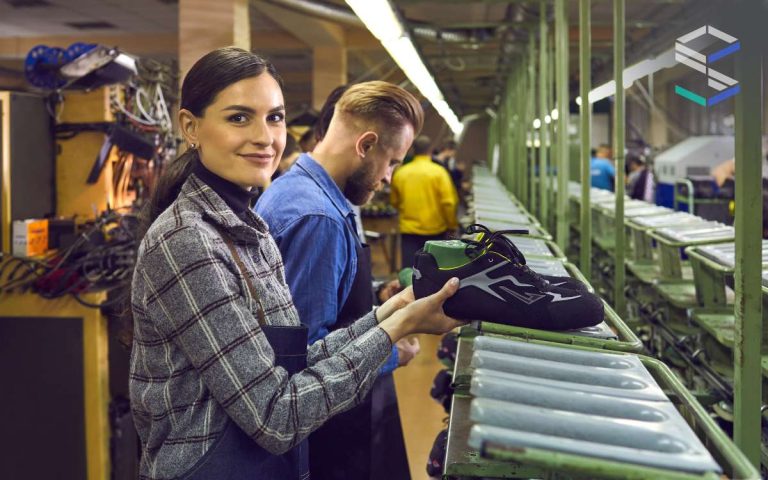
(342, 15)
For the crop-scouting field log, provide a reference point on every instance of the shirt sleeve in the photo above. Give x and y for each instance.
(391, 364)
(316, 254)
(448, 200)
(394, 194)
(195, 299)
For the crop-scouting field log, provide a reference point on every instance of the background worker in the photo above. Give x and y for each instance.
(425, 197)
(640, 184)
(602, 170)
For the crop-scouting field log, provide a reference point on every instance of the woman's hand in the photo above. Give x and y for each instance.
(424, 315)
(395, 303)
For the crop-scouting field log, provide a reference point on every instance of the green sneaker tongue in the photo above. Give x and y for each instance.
(448, 253)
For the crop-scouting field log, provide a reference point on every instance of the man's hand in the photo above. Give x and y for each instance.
(388, 290)
(395, 303)
(407, 349)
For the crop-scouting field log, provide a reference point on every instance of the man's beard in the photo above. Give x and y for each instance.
(360, 185)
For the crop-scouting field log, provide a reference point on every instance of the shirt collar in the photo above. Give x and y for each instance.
(421, 158)
(318, 174)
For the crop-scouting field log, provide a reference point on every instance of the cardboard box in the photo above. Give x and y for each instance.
(30, 237)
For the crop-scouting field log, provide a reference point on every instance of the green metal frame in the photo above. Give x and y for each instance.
(530, 116)
(585, 84)
(627, 342)
(709, 278)
(563, 162)
(543, 210)
(747, 278)
(619, 300)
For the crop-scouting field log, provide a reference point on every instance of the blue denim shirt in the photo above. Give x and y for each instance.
(314, 227)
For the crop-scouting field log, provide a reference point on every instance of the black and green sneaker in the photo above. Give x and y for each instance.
(505, 243)
(497, 285)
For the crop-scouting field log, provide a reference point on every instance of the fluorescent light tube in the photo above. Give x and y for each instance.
(382, 21)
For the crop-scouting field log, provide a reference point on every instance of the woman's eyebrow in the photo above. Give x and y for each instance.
(243, 108)
(239, 108)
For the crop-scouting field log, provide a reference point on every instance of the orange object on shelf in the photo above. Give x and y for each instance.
(30, 237)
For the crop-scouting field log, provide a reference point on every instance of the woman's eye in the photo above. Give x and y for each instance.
(238, 118)
(276, 117)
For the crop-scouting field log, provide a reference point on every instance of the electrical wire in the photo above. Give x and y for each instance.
(101, 258)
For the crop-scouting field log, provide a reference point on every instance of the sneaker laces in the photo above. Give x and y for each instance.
(499, 243)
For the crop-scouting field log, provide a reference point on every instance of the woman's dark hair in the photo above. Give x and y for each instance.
(210, 75)
(320, 127)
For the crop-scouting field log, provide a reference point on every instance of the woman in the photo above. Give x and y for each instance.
(222, 384)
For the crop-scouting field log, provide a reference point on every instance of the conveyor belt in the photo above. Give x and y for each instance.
(676, 218)
(484, 216)
(545, 266)
(586, 403)
(531, 246)
(698, 232)
(725, 253)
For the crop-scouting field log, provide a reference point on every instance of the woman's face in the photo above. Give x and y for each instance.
(241, 135)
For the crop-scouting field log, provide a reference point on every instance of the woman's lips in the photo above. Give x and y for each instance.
(260, 158)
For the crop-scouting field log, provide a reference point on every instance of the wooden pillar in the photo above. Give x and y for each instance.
(205, 25)
(329, 70)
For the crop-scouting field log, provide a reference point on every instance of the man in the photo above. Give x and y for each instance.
(447, 157)
(328, 269)
(602, 170)
(423, 193)
(640, 179)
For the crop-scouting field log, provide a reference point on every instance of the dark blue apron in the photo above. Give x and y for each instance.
(234, 455)
(365, 442)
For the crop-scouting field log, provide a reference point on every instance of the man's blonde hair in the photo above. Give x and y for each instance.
(382, 104)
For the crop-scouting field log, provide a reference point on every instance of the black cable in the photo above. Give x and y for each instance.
(101, 258)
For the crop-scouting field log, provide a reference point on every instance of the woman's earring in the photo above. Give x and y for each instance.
(193, 146)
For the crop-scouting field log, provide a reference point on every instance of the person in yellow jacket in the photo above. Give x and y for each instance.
(424, 195)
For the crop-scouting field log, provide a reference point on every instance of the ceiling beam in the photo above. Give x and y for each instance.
(146, 44)
(361, 39)
(311, 30)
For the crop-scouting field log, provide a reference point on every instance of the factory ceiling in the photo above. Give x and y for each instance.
(470, 46)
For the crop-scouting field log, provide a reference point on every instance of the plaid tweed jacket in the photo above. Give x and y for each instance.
(199, 355)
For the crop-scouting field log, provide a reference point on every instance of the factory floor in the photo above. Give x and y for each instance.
(421, 416)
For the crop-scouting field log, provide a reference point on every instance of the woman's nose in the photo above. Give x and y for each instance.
(262, 134)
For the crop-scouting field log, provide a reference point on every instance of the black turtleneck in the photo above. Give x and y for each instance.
(236, 197)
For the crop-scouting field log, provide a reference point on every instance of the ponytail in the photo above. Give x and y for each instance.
(167, 188)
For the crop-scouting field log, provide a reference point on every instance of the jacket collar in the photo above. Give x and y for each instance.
(215, 209)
